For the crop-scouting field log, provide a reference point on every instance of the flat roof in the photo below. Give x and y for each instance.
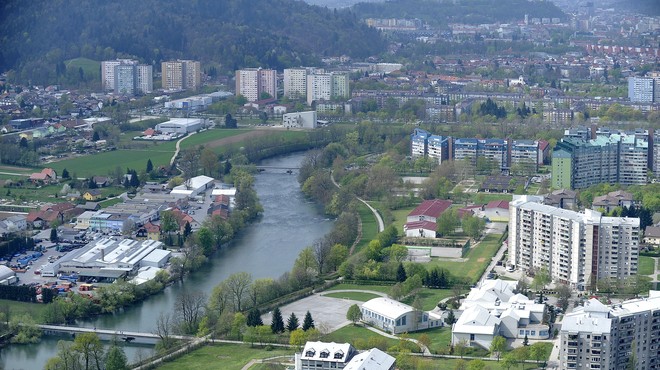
(387, 307)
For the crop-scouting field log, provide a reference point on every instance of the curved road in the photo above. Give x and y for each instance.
(178, 146)
(381, 224)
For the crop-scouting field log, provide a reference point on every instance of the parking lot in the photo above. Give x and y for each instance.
(329, 314)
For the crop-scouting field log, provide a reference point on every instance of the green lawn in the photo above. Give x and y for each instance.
(369, 226)
(452, 364)
(225, 356)
(358, 335)
(430, 297)
(105, 163)
(35, 310)
(91, 68)
(646, 266)
(375, 288)
(400, 217)
(210, 135)
(478, 259)
(355, 296)
(440, 338)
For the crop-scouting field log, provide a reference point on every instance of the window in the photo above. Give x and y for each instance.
(310, 353)
(471, 336)
(339, 355)
(403, 320)
(324, 354)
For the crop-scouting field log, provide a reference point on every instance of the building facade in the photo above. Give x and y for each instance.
(252, 82)
(608, 158)
(576, 248)
(620, 336)
(327, 86)
(641, 89)
(295, 83)
(126, 76)
(181, 75)
(438, 148)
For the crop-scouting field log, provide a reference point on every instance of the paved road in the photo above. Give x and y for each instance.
(381, 224)
(178, 145)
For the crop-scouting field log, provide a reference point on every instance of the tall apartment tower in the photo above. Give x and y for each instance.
(181, 75)
(641, 89)
(576, 248)
(295, 82)
(609, 158)
(145, 79)
(108, 74)
(125, 79)
(327, 86)
(252, 82)
(620, 336)
(418, 142)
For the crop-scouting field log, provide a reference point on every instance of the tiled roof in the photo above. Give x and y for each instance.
(432, 208)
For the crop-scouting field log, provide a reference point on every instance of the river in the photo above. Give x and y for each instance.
(266, 248)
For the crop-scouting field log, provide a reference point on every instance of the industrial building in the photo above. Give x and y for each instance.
(109, 258)
(181, 126)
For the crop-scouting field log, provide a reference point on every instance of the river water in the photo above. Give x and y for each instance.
(266, 248)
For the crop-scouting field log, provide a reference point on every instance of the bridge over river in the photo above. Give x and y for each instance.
(109, 335)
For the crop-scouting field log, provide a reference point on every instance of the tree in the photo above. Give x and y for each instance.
(338, 254)
(150, 166)
(541, 278)
(308, 322)
(277, 324)
(230, 122)
(497, 346)
(189, 309)
(238, 285)
(563, 296)
(461, 347)
(398, 253)
(509, 361)
(292, 323)
(95, 136)
(187, 230)
(65, 174)
(525, 341)
(354, 314)
(116, 359)
(298, 338)
(538, 352)
(451, 318)
(53, 235)
(168, 224)
(401, 273)
(89, 346)
(473, 226)
(322, 248)
(447, 222)
(254, 318)
(209, 162)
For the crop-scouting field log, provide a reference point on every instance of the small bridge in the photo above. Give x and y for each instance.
(288, 170)
(108, 335)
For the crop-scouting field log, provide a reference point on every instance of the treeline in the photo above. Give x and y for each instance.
(18, 153)
(440, 13)
(21, 293)
(228, 34)
(12, 244)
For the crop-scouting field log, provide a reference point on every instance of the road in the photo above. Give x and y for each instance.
(381, 224)
(178, 147)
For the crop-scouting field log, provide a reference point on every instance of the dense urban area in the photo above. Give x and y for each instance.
(480, 179)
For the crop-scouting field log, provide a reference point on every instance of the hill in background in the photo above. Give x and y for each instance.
(40, 35)
(443, 12)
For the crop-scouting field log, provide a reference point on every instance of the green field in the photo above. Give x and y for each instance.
(35, 310)
(351, 334)
(430, 297)
(355, 296)
(210, 135)
(91, 68)
(478, 259)
(400, 217)
(646, 266)
(369, 226)
(225, 356)
(103, 164)
(440, 338)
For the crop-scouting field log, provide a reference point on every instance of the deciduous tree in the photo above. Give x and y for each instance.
(354, 314)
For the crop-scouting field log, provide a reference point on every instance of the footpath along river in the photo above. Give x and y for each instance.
(266, 248)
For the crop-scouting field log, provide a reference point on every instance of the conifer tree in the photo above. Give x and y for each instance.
(292, 323)
(277, 324)
(308, 322)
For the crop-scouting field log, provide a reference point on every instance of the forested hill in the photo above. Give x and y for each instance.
(37, 34)
(648, 7)
(442, 12)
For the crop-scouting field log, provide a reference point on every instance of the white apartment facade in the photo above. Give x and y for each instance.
(576, 248)
(295, 82)
(619, 336)
(319, 87)
(251, 82)
(145, 79)
(181, 74)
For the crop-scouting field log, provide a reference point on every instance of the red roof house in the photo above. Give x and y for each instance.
(429, 210)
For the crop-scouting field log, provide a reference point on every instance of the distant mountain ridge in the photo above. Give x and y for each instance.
(36, 35)
(647, 7)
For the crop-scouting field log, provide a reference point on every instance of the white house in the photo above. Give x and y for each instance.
(420, 229)
(495, 309)
(373, 359)
(323, 355)
(397, 317)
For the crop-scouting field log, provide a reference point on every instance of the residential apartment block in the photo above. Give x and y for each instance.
(519, 155)
(181, 75)
(295, 82)
(327, 86)
(253, 82)
(576, 248)
(126, 76)
(608, 158)
(641, 89)
(619, 336)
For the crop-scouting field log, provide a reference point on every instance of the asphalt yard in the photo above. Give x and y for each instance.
(328, 313)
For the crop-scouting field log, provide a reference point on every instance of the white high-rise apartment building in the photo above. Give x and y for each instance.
(125, 78)
(252, 82)
(145, 79)
(620, 336)
(576, 248)
(319, 87)
(640, 89)
(108, 72)
(340, 86)
(295, 82)
(193, 74)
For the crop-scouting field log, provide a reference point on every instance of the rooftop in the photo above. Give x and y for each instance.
(387, 307)
(431, 208)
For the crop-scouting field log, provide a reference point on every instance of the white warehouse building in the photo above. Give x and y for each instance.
(180, 126)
